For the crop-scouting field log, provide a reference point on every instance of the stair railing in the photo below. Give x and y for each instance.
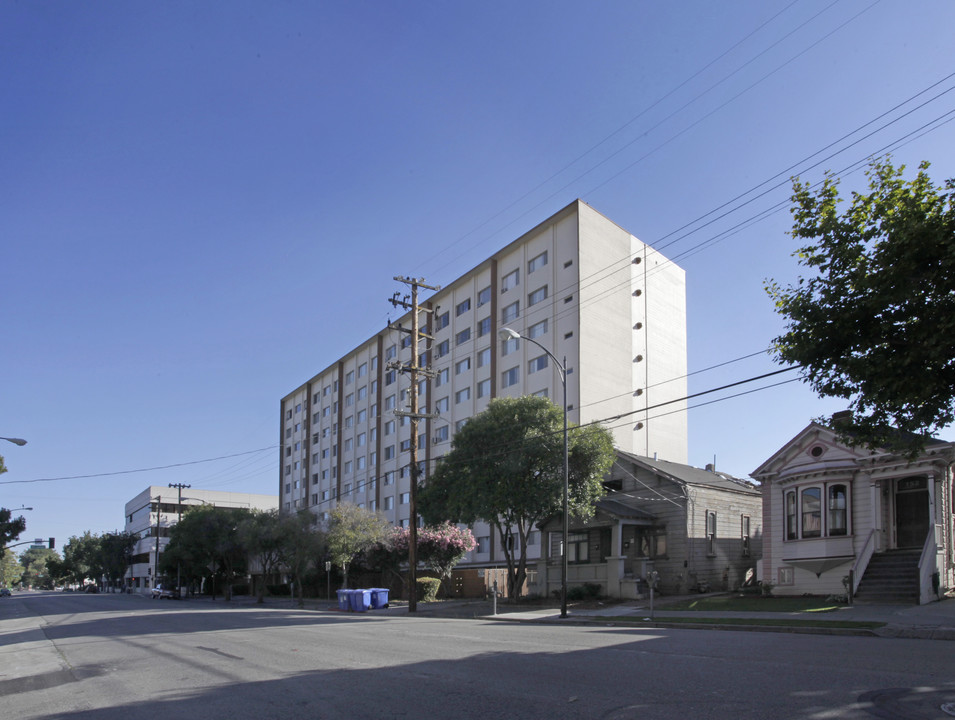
(862, 562)
(928, 564)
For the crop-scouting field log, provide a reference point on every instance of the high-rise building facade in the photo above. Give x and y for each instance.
(581, 286)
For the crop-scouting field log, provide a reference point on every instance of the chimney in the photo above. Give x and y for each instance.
(710, 467)
(841, 418)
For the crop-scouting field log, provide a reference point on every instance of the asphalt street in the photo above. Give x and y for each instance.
(124, 657)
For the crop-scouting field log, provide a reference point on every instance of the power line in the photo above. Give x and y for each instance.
(636, 117)
(139, 470)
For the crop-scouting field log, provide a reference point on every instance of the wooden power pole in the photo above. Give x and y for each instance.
(414, 370)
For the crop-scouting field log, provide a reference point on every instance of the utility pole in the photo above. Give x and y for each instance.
(179, 486)
(158, 527)
(414, 370)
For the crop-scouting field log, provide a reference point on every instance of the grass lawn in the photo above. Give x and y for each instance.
(754, 603)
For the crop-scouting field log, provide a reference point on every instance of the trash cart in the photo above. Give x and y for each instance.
(343, 599)
(379, 598)
(360, 600)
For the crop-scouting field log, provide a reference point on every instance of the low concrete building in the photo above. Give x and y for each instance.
(156, 509)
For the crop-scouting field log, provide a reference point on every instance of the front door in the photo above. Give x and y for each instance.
(911, 513)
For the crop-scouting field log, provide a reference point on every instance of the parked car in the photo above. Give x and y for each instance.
(163, 591)
(5, 592)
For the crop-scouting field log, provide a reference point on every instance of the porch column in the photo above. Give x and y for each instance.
(616, 561)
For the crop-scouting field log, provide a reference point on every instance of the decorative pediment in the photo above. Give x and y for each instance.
(815, 450)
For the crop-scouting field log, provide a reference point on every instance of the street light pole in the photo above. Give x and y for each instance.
(510, 334)
(16, 441)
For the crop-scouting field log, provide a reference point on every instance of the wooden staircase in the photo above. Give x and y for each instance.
(892, 578)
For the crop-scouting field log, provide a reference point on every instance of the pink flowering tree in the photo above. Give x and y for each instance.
(442, 547)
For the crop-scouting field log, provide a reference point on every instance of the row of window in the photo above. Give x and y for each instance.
(817, 511)
(483, 358)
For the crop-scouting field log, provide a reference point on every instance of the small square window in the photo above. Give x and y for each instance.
(538, 329)
(511, 312)
(510, 377)
(510, 280)
(539, 295)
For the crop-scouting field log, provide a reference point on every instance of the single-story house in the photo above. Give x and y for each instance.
(838, 519)
(681, 527)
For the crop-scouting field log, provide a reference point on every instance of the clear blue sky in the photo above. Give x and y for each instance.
(203, 204)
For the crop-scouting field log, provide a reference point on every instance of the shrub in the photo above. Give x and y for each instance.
(428, 589)
(280, 590)
(587, 591)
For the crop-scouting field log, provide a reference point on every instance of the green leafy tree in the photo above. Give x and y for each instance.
(10, 529)
(80, 558)
(874, 321)
(10, 570)
(352, 531)
(113, 554)
(262, 535)
(302, 544)
(506, 467)
(35, 573)
(207, 542)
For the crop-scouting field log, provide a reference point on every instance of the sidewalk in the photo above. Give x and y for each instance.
(935, 621)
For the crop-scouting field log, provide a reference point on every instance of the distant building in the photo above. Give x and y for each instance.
(578, 284)
(156, 509)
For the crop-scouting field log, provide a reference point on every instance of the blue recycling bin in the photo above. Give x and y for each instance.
(379, 598)
(343, 599)
(360, 600)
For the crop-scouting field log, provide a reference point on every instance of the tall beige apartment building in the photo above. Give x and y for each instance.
(578, 284)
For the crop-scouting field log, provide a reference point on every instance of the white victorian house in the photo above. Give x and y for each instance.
(837, 517)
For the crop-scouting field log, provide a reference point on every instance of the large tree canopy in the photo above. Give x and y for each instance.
(207, 540)
(506, 467)
(874, 322)
(10, 528)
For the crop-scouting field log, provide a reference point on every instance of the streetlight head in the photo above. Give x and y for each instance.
(508, 334)
(16, 441)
